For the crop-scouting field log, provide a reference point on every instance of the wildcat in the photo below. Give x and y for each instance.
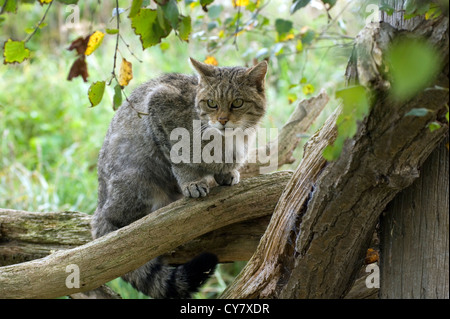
(136, 175)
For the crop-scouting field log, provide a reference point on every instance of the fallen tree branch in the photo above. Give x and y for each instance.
(119, 252)
(25, 235)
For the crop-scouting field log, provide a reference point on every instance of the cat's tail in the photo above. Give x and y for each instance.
(158, 280)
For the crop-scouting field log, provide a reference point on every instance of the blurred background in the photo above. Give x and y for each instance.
(50, 136)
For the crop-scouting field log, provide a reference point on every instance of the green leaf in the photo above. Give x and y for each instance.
(298, 4)
(112, 31)
(10, 6)
(184, 28)
(146, 25)
(214, 11)
(117, 100)
(283, 26)
(331, 3)
(68, 1)
(15, 51)
(355, 101)
(413, 64)
(204, 3)
(433, 126)
(355, 106)
(308, 37)
(418, 112)
(171, 13)
(387, 8)
(332, 152)
(164, 46)
(135, 7)
(95, 92)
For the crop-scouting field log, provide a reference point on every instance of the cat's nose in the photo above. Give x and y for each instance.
(223, 120)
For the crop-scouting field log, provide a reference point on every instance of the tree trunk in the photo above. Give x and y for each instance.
(414, 228)
(316, 240)
(415, 235)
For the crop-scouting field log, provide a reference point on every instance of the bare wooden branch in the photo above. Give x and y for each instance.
(126, 249)
(26, 236)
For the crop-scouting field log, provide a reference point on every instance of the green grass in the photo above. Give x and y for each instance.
(50, 138)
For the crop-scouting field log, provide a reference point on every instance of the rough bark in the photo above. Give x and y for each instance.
(26, 236)
(315, 243)
(414, 229)
(119, 252)
(415, 235)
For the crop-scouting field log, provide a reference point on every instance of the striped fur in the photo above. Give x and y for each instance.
(136, 175)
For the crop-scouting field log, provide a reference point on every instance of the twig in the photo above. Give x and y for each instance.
(39, 23)
(128, 47)
(234, 34)
(3, 7)
(117, 44)
(238, 20)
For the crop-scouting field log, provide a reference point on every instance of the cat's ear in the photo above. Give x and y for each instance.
(257, 74)
(203, 69)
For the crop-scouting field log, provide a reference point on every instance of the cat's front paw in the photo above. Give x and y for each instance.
(228, 179)
(195, 189)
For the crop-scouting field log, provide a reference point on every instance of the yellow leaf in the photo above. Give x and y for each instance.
(239, 33)
(45, 1)
(308, 89)
(211, 60)
(287, 37)
(94, 42)
(292, 98)
(240, 3)
(126, 73)
(299, 46)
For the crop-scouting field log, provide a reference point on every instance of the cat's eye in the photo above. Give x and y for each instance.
(212, 104)
(237, 103)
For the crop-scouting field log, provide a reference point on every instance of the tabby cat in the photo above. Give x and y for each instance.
(136, 175)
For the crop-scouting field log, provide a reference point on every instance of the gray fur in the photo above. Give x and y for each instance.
(135, 173)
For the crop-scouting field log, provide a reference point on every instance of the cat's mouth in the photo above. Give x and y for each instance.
(228, 127)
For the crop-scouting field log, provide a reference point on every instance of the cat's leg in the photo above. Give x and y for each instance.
(158, 280)
(193, 183)
(228, 179)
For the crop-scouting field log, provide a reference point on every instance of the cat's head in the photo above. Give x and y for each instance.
(231, 97)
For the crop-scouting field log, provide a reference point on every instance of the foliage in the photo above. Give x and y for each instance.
(355, 106)
(407, 76)
(154, 21)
